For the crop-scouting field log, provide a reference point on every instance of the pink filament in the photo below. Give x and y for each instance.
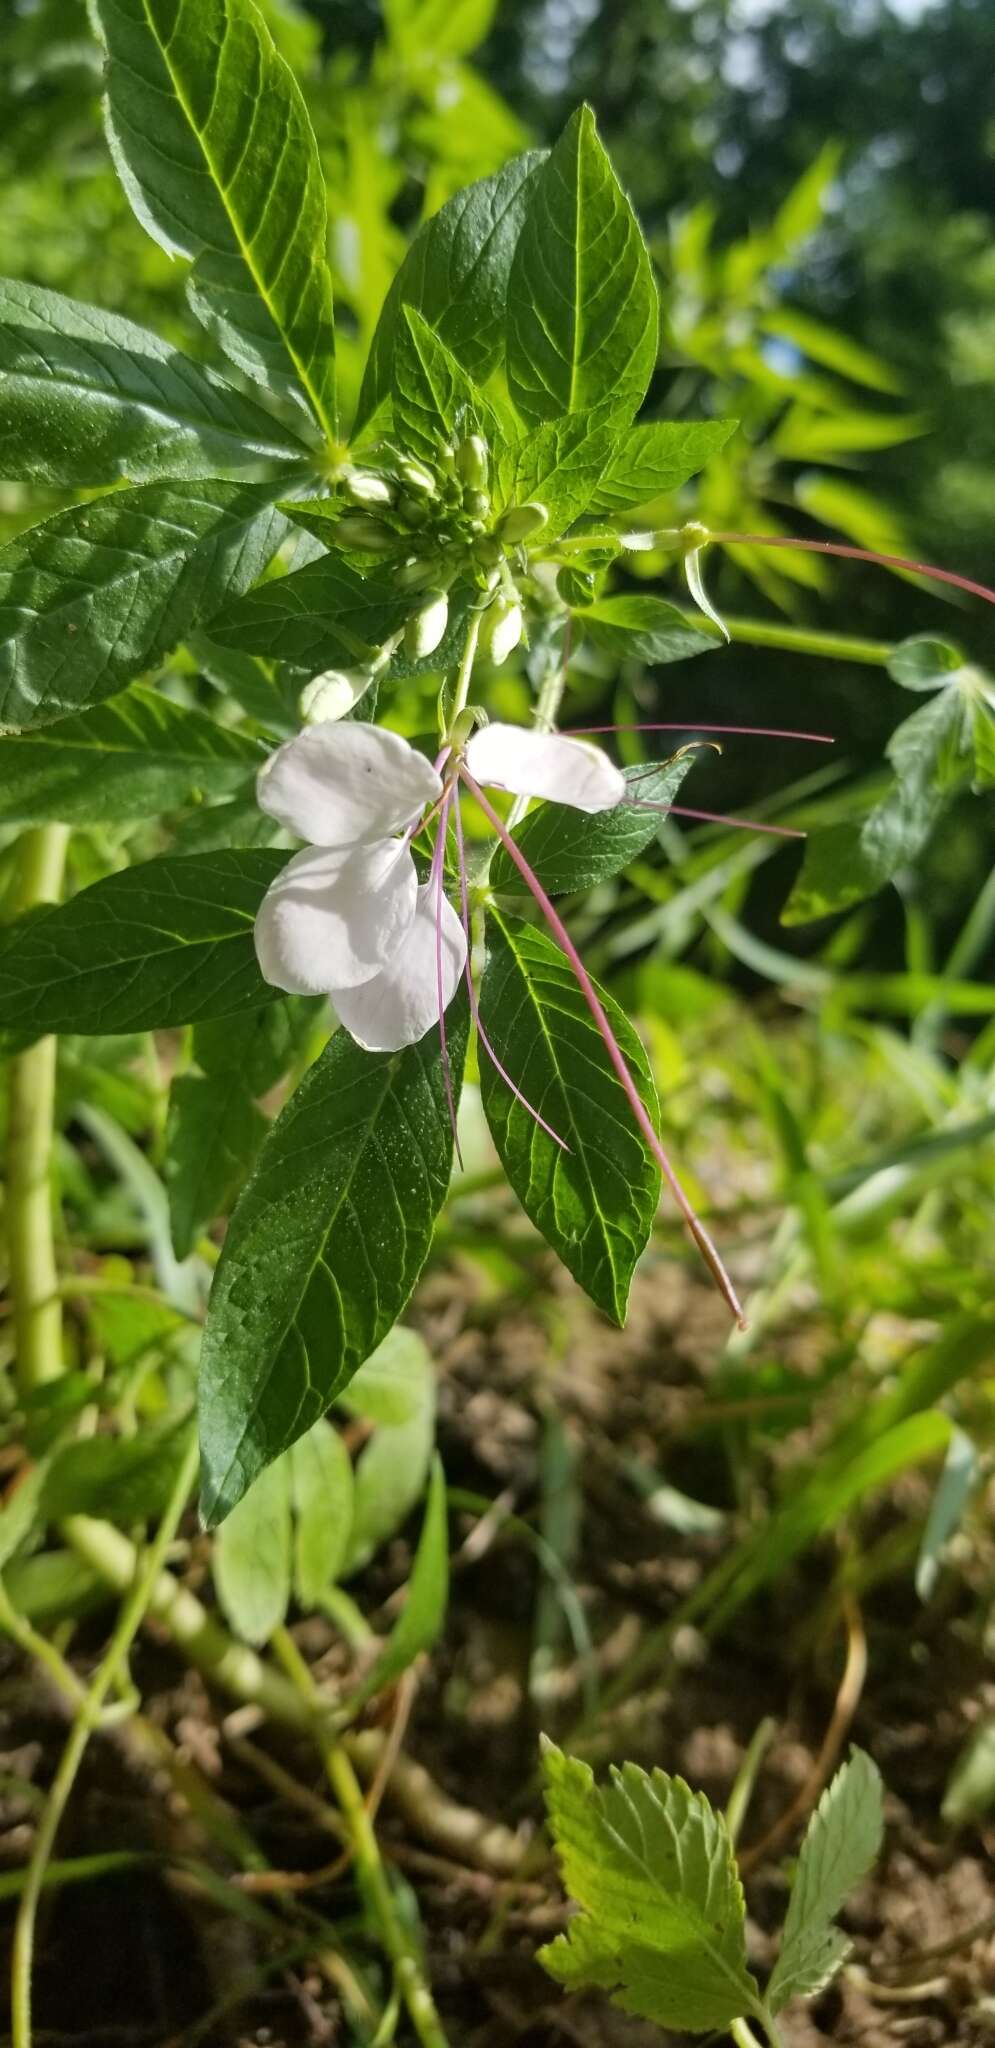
(692, 725)
(716, 818)
(474, 1006)
(435, 876)
(851, 554)
(612, 1047)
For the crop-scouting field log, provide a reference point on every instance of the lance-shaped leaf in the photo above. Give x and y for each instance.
(582, 302)
(432, 392)
(840, 1846)
(595, 1203)
(651, 461)
(93, 597)
(213, 1133)
(662, 1915)
(133, 758)
(323, 1249)
(326, 615)
(168, 942)
(89, 398)
(456, 275)
(214, 147)
(567, 849)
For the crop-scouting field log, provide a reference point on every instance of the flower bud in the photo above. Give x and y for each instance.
(332, 694)
(416, 476)
(369, 536)
(415, 573)
(502, 628)
(522, 521)
(413, 511)
(366, 489)
(426, 626)
(471, 462)
(487, 551)
(477, 503)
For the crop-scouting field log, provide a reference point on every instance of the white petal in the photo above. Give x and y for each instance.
(399, 1005)
(332, 919)
(545, 764)
(337, 784)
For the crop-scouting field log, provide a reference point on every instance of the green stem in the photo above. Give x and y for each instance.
(87, 1718)
(744, 2036)
(465, 670)
(31, 1095)
(805, 640)
(370, 1872)
(746, 1776)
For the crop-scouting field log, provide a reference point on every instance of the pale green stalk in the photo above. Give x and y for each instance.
(34, 1279)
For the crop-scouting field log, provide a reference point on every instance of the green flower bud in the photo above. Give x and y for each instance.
(354, 530)
(487, 551)
(415, 573)
(413, 511)
(364, 488)
(522, 521)
(426, 627)
(502, 628)
(332, 694)
(477, 503)
(416, 476)
(471, 461)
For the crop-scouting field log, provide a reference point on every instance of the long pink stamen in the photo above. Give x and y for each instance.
(435, 875)
(472, 993)
(692, 725)
(851, 554)
(612, 1047)
(717, 818)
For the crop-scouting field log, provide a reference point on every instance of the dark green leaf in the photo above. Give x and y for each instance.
(645, 628)
(168, 942)
(456, 275)
(321, 1491)
(133, 758)
(259, 1046)
(568, 850)
(259, 691)
(252, 1557)
(323, 1250)
(215, 150)
(651, 461)
(213, 1133)
(325, 615)
(432, 392)
(594, 1204)
(91, 598)
(662, 1921)
(129, 1478)
(424, 1609)
(582, 302)
(841, 1844)
(89, 398)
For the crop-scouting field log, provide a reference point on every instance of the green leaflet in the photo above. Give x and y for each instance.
(456, 275)
(252, 1557)
(215, 150)
(321, 1494)
(325, 615)
(168, 942)
(652, 1868)
(582, 302)
(558, 465)
(91, 598)
(651, 461)
(129, 1478)
(644, 627)
(133, 758)
(432, 392)
(569, 850)
(395, 1388)
(322, 1251)
(89, 398)
(213, 1133)
(594, 1204)
(841, 1845)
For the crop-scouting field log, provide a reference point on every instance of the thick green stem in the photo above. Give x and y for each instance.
(805, 640)
(31, 1095)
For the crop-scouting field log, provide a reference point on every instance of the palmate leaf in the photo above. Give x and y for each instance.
(651, 461)
(456, 275)
(651, 1866)
(323, 1249)
(93, 597)
(582, 303)
(595, 1203)
(840, 1846)
(214, 147)
(133, 758)
(88, 398)
(325, 615)
(567, 849)
(167, 942)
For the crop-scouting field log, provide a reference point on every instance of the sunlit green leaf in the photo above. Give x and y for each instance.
(568, 850)
(840, 1846)
(132, 758)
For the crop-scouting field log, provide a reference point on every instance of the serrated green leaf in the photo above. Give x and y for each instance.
(87, 397)
(133, 758)
(569, 850)
(582, 303)
(392, 1467)
(325, 615)
(432, 392)
(323, 1249)
(214, 147)
(168, 942)
(595, 1203)
(424, 1609)
(93, 597)
(321, 1492)
(557, 465)
(653, 460)
(213, 1132)
(644, 627)
(840, 1846)
(651, 1866)
(252, 1557)
(456, 275)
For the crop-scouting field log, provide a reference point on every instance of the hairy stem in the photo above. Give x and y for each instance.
(33, 1275)
(87, 1718)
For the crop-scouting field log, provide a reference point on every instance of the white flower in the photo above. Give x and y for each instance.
(346, 918)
